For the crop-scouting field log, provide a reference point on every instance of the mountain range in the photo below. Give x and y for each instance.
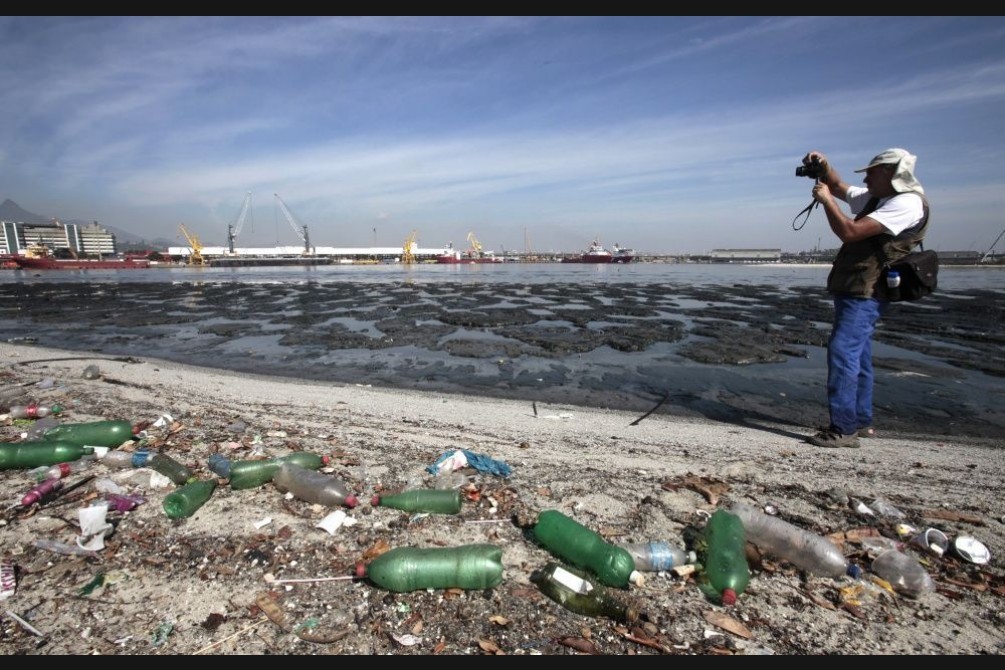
(11, 211)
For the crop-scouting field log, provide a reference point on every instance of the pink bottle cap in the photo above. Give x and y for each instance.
(375, 501)
(361, 570)
(351, 501)
(728, 597)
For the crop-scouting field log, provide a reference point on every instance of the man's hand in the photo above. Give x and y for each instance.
(822, 193)
(818, 157)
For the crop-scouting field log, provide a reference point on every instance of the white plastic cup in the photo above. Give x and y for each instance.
(932, 540)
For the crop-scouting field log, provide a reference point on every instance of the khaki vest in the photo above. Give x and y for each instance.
(859, 265)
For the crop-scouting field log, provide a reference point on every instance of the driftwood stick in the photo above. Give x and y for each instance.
(665, 397)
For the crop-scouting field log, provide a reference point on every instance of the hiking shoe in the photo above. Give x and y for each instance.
(832, 439)
(868, 431)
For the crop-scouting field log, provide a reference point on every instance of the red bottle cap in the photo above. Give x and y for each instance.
(375, 501)
(728, 597)
(351, 501)
(361, 570)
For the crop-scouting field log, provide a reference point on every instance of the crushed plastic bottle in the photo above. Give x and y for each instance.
(808, 551)
(904, 573)
(315, 487)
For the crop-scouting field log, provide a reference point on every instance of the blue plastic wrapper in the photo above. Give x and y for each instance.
(479, 462)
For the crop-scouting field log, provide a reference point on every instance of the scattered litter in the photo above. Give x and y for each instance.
(335, 520)
(24, 624)
(93, 527)
(160, 635)
(91, 372)
(263, 523)
(8, 581)
(556, 417)
(972, 550)
(163, 420)
(460, 458)
(159, 481)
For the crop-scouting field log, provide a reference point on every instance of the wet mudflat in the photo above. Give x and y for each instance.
(728, 352)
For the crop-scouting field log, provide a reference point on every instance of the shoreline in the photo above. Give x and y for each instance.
(632, 482)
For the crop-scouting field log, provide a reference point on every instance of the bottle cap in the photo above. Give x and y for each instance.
(375, 501)
(728, 597)
(361, 570)
(351, 501)
(637, 578)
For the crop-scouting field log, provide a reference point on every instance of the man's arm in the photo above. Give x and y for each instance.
(847, 229)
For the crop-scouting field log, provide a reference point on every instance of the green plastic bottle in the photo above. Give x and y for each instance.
(471, 567)
(422, 500)
(34, 453)
(576, 591)
(94, 434)
(250, 474)
(724, 560)
(577, 544)
(185, 501)
(177, 472)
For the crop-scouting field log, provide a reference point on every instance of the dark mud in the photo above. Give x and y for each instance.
(732, 353)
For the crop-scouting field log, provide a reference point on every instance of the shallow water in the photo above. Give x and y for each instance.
(724, 341)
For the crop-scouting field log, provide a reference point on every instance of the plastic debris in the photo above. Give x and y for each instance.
(8, 580)
(334, 521)
(93, 527)
(480, 462)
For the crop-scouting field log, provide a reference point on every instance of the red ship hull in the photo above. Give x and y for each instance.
(26, 263)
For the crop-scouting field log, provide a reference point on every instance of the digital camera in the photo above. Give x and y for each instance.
(814, 170)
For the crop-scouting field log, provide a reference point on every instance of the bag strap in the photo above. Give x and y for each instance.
(919, 227)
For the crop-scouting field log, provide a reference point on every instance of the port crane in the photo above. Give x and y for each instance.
(408, 250)
(476, 246)
(195, 258)
(304, 237)
(233, 230)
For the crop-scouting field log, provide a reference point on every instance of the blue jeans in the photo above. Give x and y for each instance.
(849, 362)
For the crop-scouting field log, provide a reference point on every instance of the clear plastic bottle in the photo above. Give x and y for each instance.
(177, 472)
(658, 556)
(893, 284)
(94, 433)
(185, 501)
(904, 573)
(576, 591)
(315, 487)
(250, 474)
(808, 551)
(725, 572)
(119, 458)
(437, 501)
(33, 411)
(61, 470)
(568, 539)
(34, 453)
(471, 567)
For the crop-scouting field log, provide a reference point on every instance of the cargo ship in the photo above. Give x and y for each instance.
(598, 254)
(38, 257)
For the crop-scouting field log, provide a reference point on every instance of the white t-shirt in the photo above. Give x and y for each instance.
(896, 213)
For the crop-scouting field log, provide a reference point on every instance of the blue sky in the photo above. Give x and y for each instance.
(665, 134)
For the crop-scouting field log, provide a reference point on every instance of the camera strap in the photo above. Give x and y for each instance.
(806, 210)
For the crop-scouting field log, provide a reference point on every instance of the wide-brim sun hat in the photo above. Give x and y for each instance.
(903, 177)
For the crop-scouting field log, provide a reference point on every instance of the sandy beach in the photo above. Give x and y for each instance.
(197, 585)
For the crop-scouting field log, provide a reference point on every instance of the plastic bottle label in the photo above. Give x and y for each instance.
(571, 581)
